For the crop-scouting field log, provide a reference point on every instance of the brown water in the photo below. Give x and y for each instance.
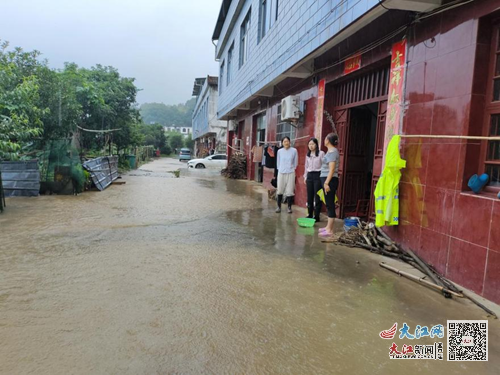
(199, 275)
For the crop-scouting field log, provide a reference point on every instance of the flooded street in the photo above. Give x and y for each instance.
(197, 274)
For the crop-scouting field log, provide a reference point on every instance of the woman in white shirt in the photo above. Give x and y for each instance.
(312, 179)
(286, 162)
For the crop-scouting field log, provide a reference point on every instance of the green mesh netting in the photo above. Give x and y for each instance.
(60, 168)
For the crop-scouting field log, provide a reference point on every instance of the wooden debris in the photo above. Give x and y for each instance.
(371, 238)
(119, 182)
(236, 167)
(420, 280)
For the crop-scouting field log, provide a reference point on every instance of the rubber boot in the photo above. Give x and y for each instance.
(280, 199)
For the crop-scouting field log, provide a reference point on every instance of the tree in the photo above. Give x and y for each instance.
(189, 142)
(154, 135)
(175, 140)
(38, 104)
(169, 115)
(20, 114)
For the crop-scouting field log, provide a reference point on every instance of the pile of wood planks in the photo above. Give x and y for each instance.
(369, 237)
(236, 167)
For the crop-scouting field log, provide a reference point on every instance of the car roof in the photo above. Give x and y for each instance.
(185, 149)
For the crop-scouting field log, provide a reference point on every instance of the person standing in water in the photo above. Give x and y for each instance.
(312, 179)
(330, 180)
(286, 162)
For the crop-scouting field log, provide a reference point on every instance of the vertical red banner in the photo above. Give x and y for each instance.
(319, 111)
(396, 92)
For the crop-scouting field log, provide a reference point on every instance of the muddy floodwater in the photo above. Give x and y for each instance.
(197, 274)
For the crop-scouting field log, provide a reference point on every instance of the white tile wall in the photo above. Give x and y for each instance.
(302, 26)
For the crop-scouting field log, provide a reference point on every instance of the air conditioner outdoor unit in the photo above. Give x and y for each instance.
(290, 107)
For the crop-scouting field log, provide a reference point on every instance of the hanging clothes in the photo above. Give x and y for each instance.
(387, 190)
(270, 156)
(257, 154)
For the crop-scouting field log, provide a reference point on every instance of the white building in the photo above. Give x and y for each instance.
(184, 130)
(208, 132)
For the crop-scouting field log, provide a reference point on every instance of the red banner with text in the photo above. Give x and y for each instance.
(396, 92)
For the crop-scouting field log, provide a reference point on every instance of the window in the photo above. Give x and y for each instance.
(229, 64)
(221, 77)
(273, 12)
(245, 27)
(491, 150)
(285, 129)
(219, 157)
(262, 19)
(268, 15)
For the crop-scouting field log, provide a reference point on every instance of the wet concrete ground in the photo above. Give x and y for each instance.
(197, 274)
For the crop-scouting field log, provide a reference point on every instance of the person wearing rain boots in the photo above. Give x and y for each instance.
(286, 161)
(330, 180)
(312, 180)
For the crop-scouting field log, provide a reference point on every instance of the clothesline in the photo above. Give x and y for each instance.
(451, 136)
(235, 149)
(98, 131)
(273, 142)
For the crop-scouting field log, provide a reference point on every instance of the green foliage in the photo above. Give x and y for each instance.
(189, 142)
(154, 135)
(175, 140)
(38, 104)
(20, 114)
(169, 115)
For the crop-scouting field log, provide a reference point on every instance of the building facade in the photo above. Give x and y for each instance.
(368, 70)
(184, 130)
(208, 131)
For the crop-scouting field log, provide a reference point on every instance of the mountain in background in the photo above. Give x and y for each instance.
(169, 115)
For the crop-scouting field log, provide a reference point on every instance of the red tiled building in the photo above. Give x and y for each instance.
(450, 86)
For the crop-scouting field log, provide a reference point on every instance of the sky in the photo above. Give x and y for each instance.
(163, 44)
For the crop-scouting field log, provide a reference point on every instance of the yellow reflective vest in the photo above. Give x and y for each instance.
(387, 190)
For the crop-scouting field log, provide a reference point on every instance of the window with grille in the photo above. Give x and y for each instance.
(492, 122)
(284, 129)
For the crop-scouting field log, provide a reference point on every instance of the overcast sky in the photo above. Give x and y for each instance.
(164, 44)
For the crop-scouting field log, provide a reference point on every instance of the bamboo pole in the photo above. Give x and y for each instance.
(420, 280)
(473, 137)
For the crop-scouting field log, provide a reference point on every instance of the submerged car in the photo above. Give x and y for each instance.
(213, 161)
(185, 154)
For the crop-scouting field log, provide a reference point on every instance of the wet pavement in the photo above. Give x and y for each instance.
(197, 274)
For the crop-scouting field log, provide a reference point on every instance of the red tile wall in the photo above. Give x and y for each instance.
(451, 228)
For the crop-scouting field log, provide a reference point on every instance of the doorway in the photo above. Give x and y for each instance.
(358, 168)
(260, 138)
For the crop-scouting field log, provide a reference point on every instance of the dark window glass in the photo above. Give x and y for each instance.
(494, 172)
(496, 90)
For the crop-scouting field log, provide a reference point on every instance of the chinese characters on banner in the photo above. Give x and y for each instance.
(396, 94)
(319, 112)
(352, 64)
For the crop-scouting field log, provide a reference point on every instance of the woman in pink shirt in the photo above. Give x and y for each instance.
(311, 178)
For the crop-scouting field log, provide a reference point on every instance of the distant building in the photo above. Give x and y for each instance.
(208, 132)
(184, 130)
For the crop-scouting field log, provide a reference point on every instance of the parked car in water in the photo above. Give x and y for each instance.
(185, 154)
(218, 161)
